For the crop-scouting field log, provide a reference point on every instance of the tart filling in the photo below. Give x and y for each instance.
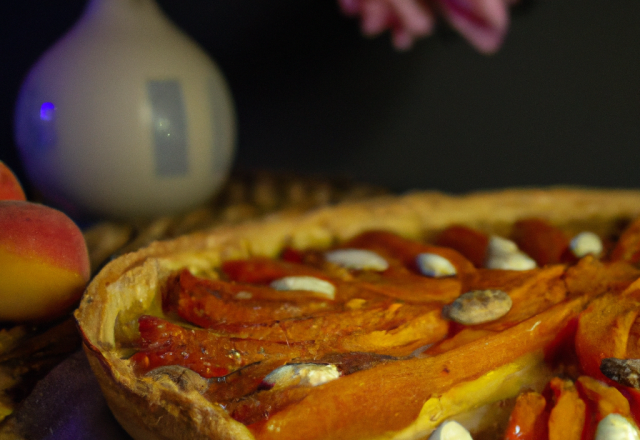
(381, 334)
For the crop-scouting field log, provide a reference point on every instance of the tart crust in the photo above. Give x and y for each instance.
(157, 408)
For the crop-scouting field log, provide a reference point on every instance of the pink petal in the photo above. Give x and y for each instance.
(414, 17)
(483, 22)
(402, 39)
(350, 7)
(376, 16)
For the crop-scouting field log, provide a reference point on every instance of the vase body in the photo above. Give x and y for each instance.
(125, 116)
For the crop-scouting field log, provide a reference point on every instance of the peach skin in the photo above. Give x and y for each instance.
(44, 263)
(10, 188)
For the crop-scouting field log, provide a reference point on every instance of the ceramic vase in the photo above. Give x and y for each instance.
(125, 116)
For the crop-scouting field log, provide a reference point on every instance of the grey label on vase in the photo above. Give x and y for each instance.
(169, 125)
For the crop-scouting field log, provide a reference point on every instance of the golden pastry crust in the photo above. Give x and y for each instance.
(155, 408)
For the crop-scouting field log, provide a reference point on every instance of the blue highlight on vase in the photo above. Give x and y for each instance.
(47, 110)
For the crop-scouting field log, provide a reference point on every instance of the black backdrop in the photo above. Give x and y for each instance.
(559, 104)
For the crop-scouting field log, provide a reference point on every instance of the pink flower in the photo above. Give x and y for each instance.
(483, 23)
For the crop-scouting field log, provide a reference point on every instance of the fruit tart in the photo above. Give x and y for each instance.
(494, 315)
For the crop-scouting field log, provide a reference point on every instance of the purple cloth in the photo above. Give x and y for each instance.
(68, 405)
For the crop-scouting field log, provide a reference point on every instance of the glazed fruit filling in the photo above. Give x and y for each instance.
(263, 334)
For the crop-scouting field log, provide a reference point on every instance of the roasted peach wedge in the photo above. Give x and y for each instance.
(44, 263)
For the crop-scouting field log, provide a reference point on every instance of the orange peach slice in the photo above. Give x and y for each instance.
(44, 263)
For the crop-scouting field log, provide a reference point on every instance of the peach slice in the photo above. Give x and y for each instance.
(10, 188)
(44, 263)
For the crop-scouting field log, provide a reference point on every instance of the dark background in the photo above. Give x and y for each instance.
(559, 104)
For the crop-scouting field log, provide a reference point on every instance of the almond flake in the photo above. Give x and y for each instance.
(616, 427)
(450, 430)
(435, 266)
(504, 254)
(358, 259)
(586, 243)
(302, 375)
(306, 283)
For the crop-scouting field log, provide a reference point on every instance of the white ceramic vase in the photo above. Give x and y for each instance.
(125, 116)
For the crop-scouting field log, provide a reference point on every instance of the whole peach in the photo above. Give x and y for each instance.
(44, 263)
(10, 188)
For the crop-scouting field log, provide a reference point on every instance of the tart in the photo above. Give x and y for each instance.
(500, 314)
